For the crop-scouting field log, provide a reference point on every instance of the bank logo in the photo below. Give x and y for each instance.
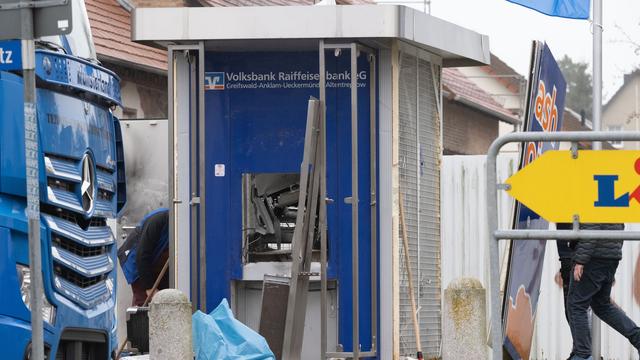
(214, 81)
(607, 191)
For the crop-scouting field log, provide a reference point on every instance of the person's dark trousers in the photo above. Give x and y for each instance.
(566, 265)
(594, 289)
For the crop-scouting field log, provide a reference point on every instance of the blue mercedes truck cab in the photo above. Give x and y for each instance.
(81, 188)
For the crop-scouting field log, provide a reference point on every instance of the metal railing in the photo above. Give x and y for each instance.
(495, 235)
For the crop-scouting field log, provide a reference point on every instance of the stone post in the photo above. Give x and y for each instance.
(170, 335)
(464, 321)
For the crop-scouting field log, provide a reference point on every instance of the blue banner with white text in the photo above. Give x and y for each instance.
(545, 107)
(10, 55)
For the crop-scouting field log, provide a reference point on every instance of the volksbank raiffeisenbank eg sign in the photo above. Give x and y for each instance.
(278, 80)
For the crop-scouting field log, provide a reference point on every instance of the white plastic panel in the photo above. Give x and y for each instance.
(465, 246)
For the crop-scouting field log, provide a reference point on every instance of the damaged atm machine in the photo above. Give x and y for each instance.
(295, 133)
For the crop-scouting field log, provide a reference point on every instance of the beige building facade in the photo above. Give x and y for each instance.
(622, 112)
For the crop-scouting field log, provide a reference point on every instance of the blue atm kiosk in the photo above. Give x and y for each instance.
(239, 84)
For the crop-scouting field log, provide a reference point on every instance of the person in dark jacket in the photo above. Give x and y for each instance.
(152, 254)
(595, 264)
(153, 251)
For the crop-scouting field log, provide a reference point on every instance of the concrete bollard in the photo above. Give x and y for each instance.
(464, 320)
(170, 335)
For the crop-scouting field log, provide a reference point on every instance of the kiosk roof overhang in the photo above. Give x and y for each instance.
(235, 28)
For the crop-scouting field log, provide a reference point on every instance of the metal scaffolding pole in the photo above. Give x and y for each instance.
(33, 183)
(596, 325)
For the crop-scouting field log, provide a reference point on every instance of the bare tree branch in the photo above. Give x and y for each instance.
(628, 39)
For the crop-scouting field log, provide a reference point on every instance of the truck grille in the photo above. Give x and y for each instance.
(64, 178)
(82, 247)
(77, 248)
(78, 280)
(82, 260)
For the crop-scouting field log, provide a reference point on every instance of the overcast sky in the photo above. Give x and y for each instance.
(511, 28)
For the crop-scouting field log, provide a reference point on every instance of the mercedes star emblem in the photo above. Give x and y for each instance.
(87, 189)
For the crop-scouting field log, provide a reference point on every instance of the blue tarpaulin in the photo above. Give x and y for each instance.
(219, 336)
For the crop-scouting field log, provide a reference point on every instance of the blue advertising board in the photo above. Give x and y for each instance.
(10, 55)
(545, 108)
(256, 109)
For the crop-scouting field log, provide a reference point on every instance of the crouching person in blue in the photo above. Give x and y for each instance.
(595, 264)
(144, 253)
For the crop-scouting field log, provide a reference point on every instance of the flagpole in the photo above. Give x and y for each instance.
(597, 126)
(597, 69)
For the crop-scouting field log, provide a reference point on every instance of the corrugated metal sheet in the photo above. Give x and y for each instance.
(429, 212)
(419, 144)
(464, 254)
(409, 188)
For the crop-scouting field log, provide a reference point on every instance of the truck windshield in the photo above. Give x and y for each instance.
(79, 42)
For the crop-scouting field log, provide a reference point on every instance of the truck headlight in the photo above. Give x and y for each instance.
(24, 276)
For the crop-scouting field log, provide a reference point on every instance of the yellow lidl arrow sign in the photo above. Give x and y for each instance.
(598, 186)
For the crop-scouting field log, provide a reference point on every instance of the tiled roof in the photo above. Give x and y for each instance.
(572, 121)
(224, 3)
(111, 28)
(457, 84)
(506, 74)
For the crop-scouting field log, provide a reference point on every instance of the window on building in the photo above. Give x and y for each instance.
(619, 143)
